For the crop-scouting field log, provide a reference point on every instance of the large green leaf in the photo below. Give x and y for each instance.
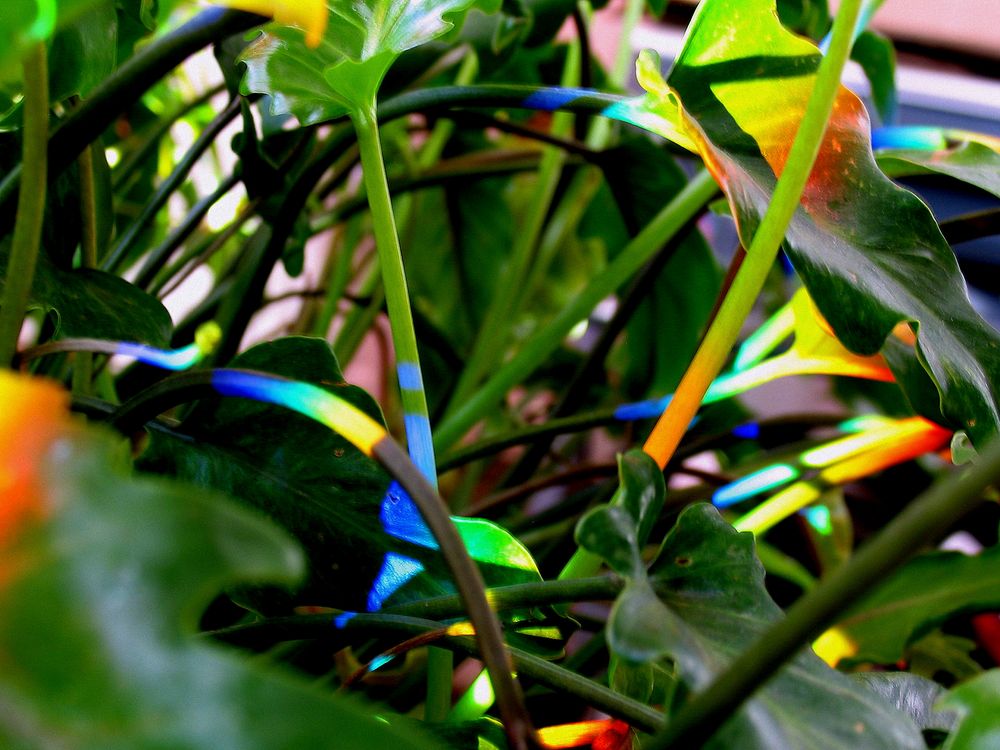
(98, 613)
(911, 694)
(86, 302)
(927, 591)
(709, 579)
(362, 40)
(870, 252)
(977, 703)
(319, 487)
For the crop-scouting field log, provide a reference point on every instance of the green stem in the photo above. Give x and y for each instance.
(404, 339)
(721, 336)
(528, 665)
(502, 311)
(669, 221)
(30, 203)
(923, 521)
(83, 364)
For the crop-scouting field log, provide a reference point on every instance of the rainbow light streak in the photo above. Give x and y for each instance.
(864, 422)
(396, 571)
(779, 507)
(869, 440)
(766, 338)
(753, 484)
(820, 518)
(578, 734)
(401, 518)
(171, 359)
(928, 138)
(917, 437)
(206, 338)
(550, 99)
(341, 620)
(420, 446)
(306, 399)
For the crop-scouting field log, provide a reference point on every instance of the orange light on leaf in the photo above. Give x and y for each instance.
(600, 734)
(308, 15)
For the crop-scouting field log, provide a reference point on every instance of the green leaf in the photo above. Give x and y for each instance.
(318, 486)
(95, 304)
(664, 331)
(924, 593)
(870, 253)
(708, 576)
(938, 653)
(98, 619)
(911, 694)
(618, 531)
(969, 162)
(877, 58)
(362, 40)
(977, 703)
(83, 53)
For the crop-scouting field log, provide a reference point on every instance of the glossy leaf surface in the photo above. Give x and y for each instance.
(361, 42)
(927, 591)
(101, 592)
(708, 575)
(870, 252)
(86, 302)
(319, 487)
(912, 694)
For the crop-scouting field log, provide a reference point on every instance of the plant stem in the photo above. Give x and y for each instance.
(491, 339)
(923, 521)
(725, 328)
(83, 363)
(173, 181)
(31, 202)
(415, 415)
(668, 222)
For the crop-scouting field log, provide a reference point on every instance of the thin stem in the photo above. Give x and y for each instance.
(169, 185)
(404, 339)
(636, 253)
(491, 338)
(722, 334)
(528, 665)
(83, 363)
(154, 261)
(923, 521)
(31, 202)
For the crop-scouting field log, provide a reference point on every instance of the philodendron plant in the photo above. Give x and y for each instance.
(210, 537)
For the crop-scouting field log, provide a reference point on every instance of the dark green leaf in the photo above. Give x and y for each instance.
(83, 53)
(97, 623)
(708, 576)
(938, 653)
(977, 703)
(969, 162)
(877, 58)
(317, 485)
(93, 303)
(617, 532)
(362, 40)
(927, 591)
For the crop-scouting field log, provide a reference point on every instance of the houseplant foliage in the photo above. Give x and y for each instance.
(241, 554)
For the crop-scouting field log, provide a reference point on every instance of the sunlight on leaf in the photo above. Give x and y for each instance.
(869, 252)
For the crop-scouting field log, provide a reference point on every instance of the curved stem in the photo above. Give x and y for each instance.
(725, 328)
(31, 202)
(372, 440)
(404, 340)
(169, 185)
(129, 82)
(923, 521)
